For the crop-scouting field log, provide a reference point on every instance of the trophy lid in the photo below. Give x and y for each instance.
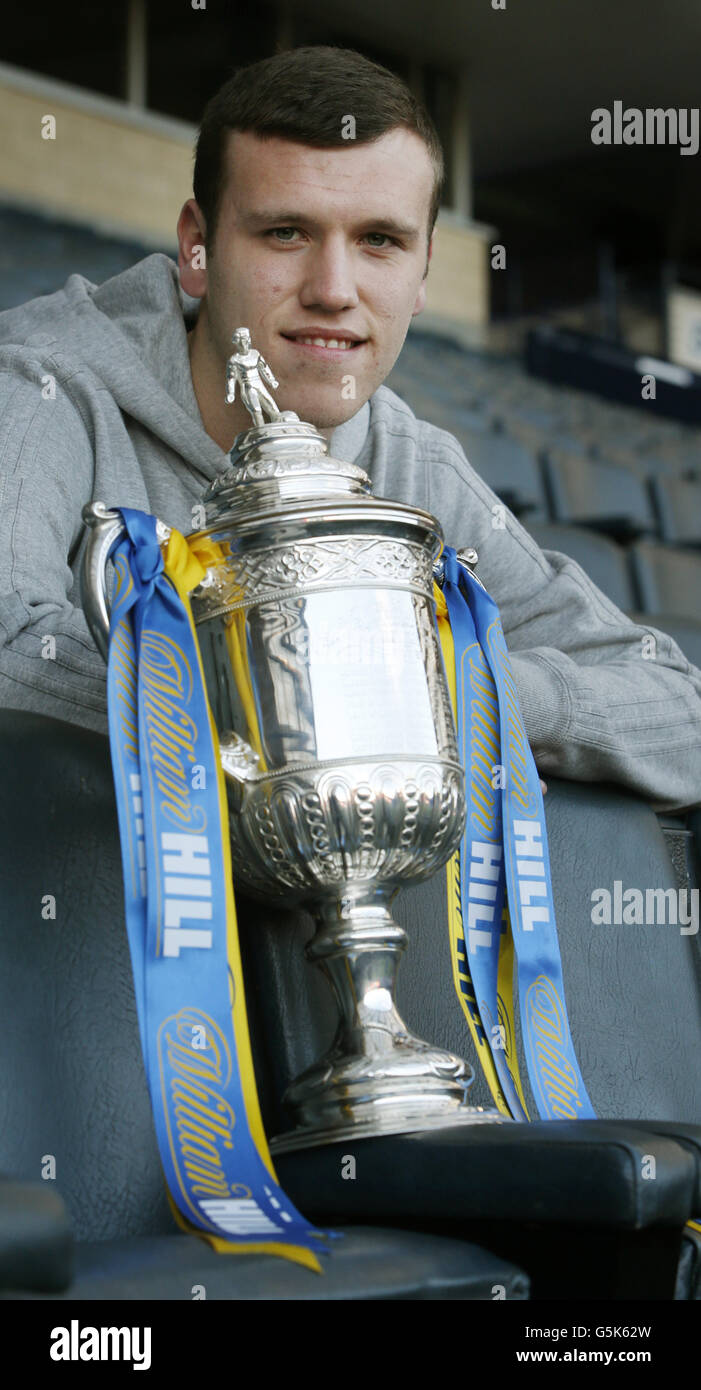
(277, 463)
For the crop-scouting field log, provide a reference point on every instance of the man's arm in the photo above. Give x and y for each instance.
(48, 661)
(613, 701)
(603, 699)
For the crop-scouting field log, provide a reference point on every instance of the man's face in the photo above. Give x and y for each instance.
(320, 242)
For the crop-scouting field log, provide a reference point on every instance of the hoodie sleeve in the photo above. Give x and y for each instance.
(602, 698)
(48, 661)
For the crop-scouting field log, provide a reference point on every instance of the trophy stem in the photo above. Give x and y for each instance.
(376, 1078)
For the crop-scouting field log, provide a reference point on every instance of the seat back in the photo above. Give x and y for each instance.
(508, 467)
(72, 1081)
(668, 580)
(601, 558)
(606, 497)
(678, 503)
(633, 992)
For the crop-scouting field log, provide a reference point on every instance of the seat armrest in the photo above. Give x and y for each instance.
(582, 1172)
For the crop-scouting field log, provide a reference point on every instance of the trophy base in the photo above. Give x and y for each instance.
(402, 1121)
(377, 1078)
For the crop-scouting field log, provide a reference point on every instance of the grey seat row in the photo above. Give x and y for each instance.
(562, 484)
(652, 583)
(441, 379)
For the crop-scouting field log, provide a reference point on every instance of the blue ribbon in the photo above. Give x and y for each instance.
(504, 853)
(168, 801)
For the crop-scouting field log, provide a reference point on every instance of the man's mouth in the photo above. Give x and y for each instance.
(324, 343)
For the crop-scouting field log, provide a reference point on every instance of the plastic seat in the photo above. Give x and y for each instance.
(634, 1003)
(667, 580)
(72, 1082)
(601, 558)
(634, 1000)
(585, 492)
(509, 468)
(678, 503)
(368, 1263)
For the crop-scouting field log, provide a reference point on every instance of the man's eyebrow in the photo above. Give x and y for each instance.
(287, 218)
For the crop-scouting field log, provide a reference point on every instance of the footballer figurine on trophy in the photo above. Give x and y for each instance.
(248, 366)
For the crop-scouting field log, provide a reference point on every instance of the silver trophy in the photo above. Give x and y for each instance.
(315, 622)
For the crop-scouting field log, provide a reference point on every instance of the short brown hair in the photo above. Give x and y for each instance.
(303, 95)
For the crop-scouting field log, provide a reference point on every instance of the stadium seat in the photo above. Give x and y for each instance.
(41, 251)
(526, 1191)
(508, 467)
(544, 418)
(369, 1263)
(667, 580)
(72, 1085)
(437, 376)
(601, 558)
(678, 503)
(641, 464)
(585, 492)
(607, 563)
(618, 979)
(72, 1081)
(571, 439)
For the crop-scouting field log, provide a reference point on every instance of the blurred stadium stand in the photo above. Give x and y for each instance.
(37, 254)
(588, 478)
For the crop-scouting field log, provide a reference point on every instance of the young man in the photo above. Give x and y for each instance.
(317, 184)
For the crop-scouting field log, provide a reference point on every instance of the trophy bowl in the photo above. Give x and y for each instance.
(316, 627)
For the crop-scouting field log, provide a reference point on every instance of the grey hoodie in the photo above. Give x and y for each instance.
(97, 402)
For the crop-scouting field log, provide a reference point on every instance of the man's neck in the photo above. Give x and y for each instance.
(222, 421)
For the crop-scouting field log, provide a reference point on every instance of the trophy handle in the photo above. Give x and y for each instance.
(240, 762)
(105, 527)
(469, 558)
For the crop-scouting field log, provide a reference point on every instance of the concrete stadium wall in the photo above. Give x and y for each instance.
(459, 274)
(112, 167)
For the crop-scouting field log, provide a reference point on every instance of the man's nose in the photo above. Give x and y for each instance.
(330, 276)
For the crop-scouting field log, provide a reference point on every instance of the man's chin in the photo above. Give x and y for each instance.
(327, 418)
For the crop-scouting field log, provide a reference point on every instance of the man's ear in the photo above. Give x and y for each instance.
(192, 259)
(420, 302)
